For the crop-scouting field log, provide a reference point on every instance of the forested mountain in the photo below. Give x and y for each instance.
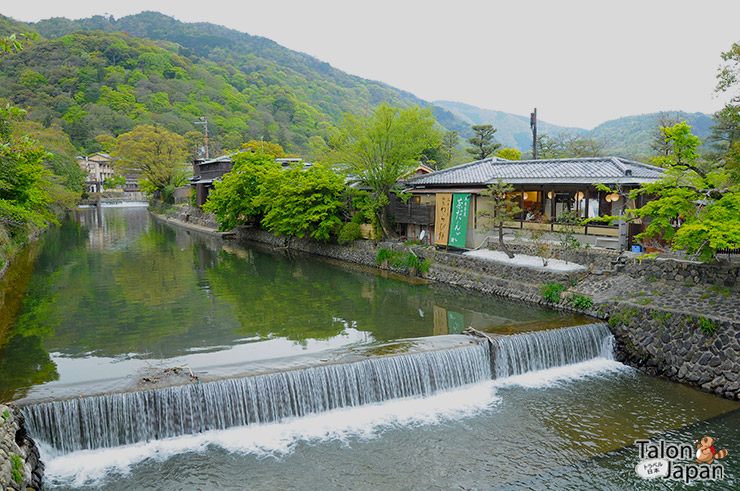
(630, 136)
(512, 130)
(104, 76)
(626, 137)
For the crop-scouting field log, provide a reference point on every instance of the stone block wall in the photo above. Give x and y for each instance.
(20, 466)
(674, 345)
(723, 275)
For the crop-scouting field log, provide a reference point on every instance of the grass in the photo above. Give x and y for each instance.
(708, 328)
(16, 468)
(551, 291)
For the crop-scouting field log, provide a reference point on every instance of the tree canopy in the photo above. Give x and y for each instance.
(695, 210)
(482, 143)
(378, 150)
(154, 154)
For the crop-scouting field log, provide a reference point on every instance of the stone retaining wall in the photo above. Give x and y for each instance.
(185, 213)
(674, 345)
(682, 271)
(20, 466)
(657, 340)
(455, 269)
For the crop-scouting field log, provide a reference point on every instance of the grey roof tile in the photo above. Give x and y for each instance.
(591, 170)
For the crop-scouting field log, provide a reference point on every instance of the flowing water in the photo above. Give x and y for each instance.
(535, 410)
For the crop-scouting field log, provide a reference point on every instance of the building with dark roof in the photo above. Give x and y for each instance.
(545, 189)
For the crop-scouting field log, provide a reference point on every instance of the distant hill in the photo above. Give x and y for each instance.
(630, 136)
(512, 130)
(106, 75)
(625, 137)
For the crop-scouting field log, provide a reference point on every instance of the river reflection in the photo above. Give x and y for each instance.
(113, 292)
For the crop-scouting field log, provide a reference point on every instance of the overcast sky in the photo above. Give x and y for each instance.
(580, 62)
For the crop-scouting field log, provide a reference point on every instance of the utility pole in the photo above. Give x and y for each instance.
(533, 126)
(202, 120)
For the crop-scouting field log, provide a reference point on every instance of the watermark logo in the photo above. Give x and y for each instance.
(680, 461)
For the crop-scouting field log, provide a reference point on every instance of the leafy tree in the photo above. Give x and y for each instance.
(153, 153)
(266, 147)
(501, 209)
(379, 149)
(482, 143)
(568, 145)
(508, 153)
(658, 143)
(726, 130)
(695, 210)
(234, 199)
(299, 202)
(450, 140)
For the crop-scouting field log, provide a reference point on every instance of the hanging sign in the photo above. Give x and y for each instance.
(442, 218)
(459, 220)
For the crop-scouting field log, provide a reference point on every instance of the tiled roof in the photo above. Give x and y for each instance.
(591, 170)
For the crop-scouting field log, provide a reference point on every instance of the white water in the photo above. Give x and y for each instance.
(275, 440)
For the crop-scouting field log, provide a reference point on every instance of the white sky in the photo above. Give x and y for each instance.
(580, 62)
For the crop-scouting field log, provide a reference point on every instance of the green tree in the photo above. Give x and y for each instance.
(299, 202)
(726, 130)
(508, 153)
(482, 143)
(153, 153)
(695, 210)
(234, 199)
(566, 145)
(501, 209)
(379, 149)
(450, 140)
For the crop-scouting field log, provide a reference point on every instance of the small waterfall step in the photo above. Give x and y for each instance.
(125, 418)
(540, 350)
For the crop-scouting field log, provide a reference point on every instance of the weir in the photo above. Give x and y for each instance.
(539, 350)
(125, 418)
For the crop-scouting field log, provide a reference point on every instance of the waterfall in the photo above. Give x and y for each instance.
(124, 418)
(540, 350)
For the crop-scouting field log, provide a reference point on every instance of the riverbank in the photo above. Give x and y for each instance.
(20, 465)
(677, 319)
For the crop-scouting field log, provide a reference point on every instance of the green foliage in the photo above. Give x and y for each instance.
(566, 230)
(501, 208)
(566, 144)
(508, 153)
(299, 202)
(696, 210)
(6, 415)
(482, 143)
(398, 259)
(349, 233)
(153, 153)
(708, 328)
(380, 149)
(581, 302)
(551, 291)
(16, 468)
(233, 200)
(116, 182)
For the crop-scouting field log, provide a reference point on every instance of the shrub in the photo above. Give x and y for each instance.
(359, 218)
(349, 233)
(551, 291)
(16, 468)
(382, 255)
(707, 327)
(582, 302)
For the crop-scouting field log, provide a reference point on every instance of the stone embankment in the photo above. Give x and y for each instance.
(20, 466)
(674, 318)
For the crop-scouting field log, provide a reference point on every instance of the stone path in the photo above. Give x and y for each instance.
(707, 300)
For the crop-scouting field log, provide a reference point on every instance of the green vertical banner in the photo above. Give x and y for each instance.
(459, 220)
(455, 322)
